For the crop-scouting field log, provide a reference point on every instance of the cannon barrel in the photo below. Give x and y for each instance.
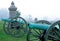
(6, 20)
(9, 20)
(39, 26)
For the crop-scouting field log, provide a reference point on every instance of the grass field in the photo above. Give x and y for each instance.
(5, 37)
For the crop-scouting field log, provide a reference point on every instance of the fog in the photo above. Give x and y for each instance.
(41, 9)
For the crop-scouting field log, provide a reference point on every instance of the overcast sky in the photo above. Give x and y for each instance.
(49, 9)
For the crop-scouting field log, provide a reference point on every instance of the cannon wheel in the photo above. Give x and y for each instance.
(36, 34)
(53, 33)
(16, 28)
(20, 27)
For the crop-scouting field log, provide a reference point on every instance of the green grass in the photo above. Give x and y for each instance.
(5, 37)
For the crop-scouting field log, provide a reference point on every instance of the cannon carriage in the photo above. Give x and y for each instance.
(39, 31)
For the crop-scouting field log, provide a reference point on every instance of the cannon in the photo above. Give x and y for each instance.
(15, 27)
(38, 31)
(44, 32)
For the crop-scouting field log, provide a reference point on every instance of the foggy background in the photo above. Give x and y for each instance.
(31, 9)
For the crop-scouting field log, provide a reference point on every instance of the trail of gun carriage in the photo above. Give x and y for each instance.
(18, 29)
